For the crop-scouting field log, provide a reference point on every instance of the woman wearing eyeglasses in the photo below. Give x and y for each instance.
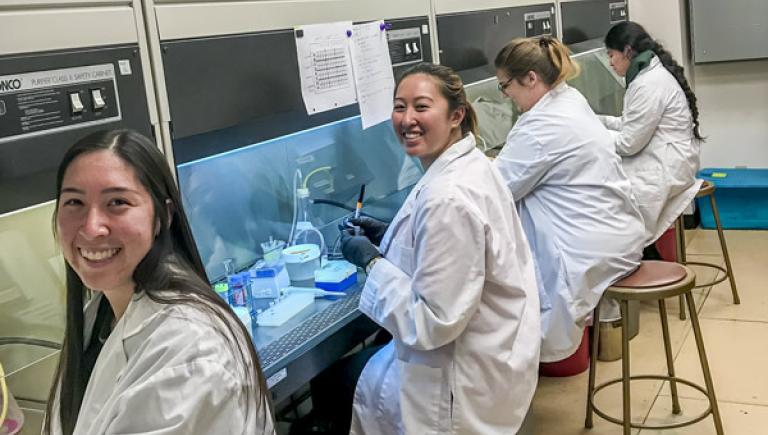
(574, 200)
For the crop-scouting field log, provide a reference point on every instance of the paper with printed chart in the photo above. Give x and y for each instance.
(325, 66)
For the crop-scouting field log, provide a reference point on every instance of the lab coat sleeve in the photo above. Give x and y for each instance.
(610, 122)
(522, 163)
(192, 398)
(432, 307)
(642, 114)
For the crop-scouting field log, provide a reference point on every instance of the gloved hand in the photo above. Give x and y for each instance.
(358, 250)
(372, 228)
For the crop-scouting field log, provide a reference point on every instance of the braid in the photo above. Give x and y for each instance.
(635, 36)
(677, 71)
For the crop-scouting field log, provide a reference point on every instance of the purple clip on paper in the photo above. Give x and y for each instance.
(349, 33)
(385, 26)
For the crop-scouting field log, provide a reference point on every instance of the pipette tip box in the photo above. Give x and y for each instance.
(336, 275)
(290, 306)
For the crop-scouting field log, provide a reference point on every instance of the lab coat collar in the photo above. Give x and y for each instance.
(552, 93)
(655, 63)
(458, 149)
(139, 311)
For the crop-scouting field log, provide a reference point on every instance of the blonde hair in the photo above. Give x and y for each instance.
(546, 56)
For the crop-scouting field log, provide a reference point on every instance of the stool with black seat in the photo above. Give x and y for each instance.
(652, 281)
(707, 189)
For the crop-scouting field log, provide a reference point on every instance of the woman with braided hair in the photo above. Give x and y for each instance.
(657, 135)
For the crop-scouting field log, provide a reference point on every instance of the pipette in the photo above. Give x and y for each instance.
(359, 207)
(319, 293)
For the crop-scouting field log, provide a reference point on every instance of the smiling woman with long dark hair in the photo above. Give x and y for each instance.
(155, 350)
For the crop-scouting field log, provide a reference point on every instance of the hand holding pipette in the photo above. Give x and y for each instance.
(372, 228)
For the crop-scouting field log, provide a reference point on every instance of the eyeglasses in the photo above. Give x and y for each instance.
(503, 86)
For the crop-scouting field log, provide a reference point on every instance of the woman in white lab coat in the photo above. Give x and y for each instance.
(574, 200)
(657, 135)
(155, 350)
(452, 280)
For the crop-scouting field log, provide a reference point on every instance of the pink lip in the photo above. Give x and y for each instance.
(98, 265)
(411, 142)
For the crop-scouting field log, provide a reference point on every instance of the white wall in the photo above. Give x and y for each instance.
(733, 103)
(732, 96)
(663, 19)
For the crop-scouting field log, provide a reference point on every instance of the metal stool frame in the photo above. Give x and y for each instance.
(624, 295)
(707, 189)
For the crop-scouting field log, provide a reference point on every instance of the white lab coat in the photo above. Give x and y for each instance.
(659, 153)
(576, 206)
(166, 370)
(456, 289)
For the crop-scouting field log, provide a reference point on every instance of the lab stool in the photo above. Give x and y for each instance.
(707, 189)
(653, 281)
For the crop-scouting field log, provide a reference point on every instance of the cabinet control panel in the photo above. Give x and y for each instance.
(44, 102)
(538, 23)
(617, 12)
(405, 46)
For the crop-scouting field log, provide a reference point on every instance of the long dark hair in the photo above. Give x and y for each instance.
(633, 35)
(451, 87)
(172, 265)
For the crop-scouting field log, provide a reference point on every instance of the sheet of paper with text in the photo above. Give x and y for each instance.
(372, 66)
(325, 66)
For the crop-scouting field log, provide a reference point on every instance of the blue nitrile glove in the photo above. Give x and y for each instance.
(358, 250)
(374, 229)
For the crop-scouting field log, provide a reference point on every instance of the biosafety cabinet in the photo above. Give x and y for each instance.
(243, 144)
(470, 34)
(469, 37)
(585, 22)
(67, 68)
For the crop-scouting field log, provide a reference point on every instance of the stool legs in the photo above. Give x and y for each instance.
(626, 404)
(668, 351)
(704, 363)
(625, 373)
(728, 269)
(592, 363)
(681, 256)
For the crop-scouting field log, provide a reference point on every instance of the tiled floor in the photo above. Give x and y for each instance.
(734, 336)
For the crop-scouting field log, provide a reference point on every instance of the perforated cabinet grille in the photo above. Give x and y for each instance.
(310, 328)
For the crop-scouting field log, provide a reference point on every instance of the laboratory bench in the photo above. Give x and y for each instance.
(297, 351)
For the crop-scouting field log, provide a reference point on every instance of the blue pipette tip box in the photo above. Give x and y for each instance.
(336, 276)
